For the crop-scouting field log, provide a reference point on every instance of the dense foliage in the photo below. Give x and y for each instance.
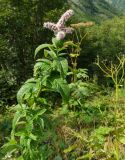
(95, 10)
(21, 31)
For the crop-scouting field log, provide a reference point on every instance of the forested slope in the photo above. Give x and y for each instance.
(119, 4)
(96, 10)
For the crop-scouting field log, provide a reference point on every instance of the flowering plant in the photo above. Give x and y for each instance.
(59, 29)
(49, 77)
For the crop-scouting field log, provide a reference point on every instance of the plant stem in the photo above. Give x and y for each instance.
(116, 112)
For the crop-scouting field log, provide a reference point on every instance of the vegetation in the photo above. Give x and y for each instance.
(63, 100)
(21, 32)
(95, 10)
(119, 4)
(106, 41)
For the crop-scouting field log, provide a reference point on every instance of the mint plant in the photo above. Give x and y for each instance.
(50, 74)
(49, 78)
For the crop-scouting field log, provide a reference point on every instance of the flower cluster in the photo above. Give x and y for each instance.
(64, 18)
(59, 28)
(51, 26)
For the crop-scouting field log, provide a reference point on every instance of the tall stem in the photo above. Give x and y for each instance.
(116, 112)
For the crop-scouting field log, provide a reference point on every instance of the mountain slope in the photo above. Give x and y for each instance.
(118, 4)
(95, 10)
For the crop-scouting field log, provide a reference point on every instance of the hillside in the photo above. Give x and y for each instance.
(95, 10)
(118, 4)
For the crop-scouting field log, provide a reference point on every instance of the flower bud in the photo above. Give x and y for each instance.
(60, 35)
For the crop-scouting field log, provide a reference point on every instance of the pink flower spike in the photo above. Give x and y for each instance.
(65, 18)
(59, 29)
(51, 26)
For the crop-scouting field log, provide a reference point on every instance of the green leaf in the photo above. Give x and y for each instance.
(122, 139)
(57, 43)
(102, 130)
(28, 144)
(11, 146)
(41, 123)
(42, 67)
(20, 158)
(87, 156)
(82, 73)
(62, 54)
(70, 43)
(39, 113)
(21, 112)
(61, 65)
(40, 47)
(44, 60)
(27, 90)
(70, 148)
(60, 85)
(21, 133)
(33, 137)
(50, 53)
(31, 80)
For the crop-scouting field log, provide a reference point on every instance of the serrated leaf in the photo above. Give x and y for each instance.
(42, 67)
(40, 47)
(19, 114)
(61, 65)
(26, 90)
(60, 85)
